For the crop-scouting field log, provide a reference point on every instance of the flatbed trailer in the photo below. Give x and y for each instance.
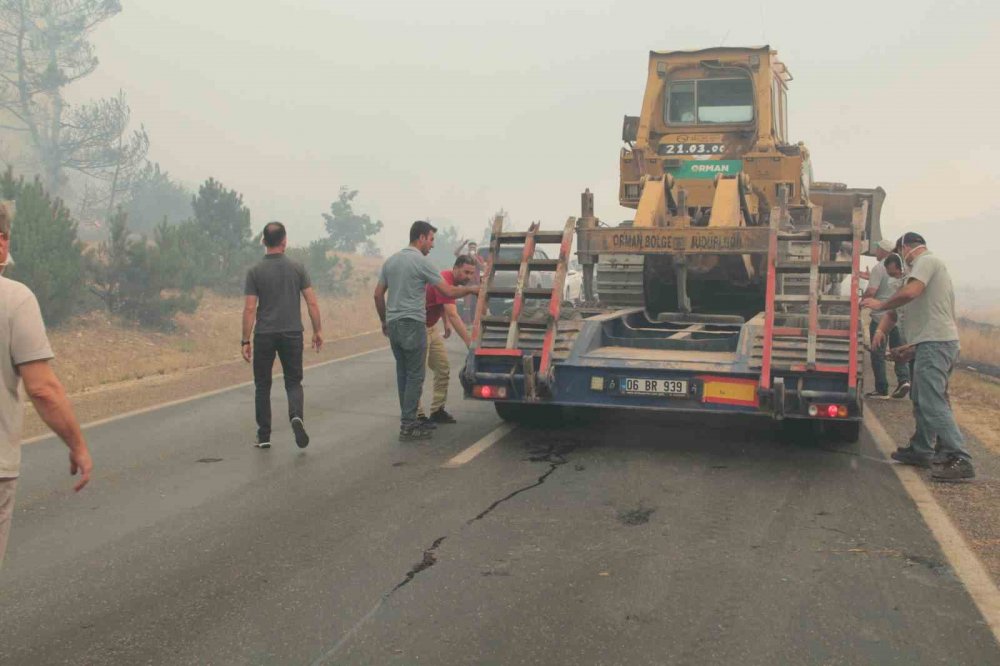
(798, 360)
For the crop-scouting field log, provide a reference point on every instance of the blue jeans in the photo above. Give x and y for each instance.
(878, 360)
(932, 368)
(408, 339)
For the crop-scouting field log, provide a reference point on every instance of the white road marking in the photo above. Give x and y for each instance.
(963, 560)
(206, 394)
(480, 446)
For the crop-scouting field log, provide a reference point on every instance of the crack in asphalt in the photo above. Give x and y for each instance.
(426, 562)
(553, 456)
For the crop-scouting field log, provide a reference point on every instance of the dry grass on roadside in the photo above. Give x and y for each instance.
(95, 349)
(980, 343)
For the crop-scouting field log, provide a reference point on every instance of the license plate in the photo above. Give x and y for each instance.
(692, 148)
(664, 387)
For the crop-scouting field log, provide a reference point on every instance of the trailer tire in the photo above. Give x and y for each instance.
(848, 432)
(536, 415)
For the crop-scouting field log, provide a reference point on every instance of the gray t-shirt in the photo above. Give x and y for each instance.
(277, 282)
(930, 317)
(22, 340)
(406, 275)
(883, 284)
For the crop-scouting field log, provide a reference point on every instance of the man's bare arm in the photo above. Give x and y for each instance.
(886, 325)
(380, 290)
(312, 305)
(249, 317)
(451, 316)
(909, 291)
(49, 398)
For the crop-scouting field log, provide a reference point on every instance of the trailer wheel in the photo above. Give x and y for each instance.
(848, 432)
(536, 415)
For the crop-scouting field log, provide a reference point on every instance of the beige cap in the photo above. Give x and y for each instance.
(886, 245)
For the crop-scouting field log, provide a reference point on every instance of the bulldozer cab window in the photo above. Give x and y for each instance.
(710, 101)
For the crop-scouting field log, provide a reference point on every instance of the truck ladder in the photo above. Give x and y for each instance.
(525, 332)
(817, 331)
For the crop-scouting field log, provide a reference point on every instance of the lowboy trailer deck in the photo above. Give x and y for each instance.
(798, 360)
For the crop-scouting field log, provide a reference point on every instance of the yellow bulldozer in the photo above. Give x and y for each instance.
(711, 149)
(723, 295)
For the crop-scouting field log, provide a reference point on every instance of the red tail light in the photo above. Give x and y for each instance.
(488, 392)
(828, 411)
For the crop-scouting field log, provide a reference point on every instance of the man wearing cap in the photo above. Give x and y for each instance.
(927, 301)
(880, 287)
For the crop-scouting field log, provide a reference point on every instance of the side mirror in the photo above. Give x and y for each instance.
(630, 128)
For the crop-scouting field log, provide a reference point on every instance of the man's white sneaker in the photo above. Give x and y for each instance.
(262, 445)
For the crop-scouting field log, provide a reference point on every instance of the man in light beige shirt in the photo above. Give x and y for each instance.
(24, 356)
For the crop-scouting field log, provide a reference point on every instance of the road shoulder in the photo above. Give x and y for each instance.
(973, 507)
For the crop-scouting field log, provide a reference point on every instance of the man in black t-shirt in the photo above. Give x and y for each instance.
(273, 314)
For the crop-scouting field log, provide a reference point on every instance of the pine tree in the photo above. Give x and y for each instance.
(45, 247)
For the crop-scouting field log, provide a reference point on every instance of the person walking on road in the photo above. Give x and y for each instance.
(440, 307)
(273, 314)
(881, 286)
(405, 277)
(25, 353)
(927, 303)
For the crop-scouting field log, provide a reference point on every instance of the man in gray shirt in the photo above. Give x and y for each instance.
(273, 314)
(927, 301)
(881, 286)
(405, 276)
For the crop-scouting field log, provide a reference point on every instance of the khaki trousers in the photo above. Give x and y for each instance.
(437, 363)
(7, 488)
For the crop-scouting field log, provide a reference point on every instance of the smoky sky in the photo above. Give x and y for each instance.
(453, 110)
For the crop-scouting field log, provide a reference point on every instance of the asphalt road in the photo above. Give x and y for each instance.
(630, 540)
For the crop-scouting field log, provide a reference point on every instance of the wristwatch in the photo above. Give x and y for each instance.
(244, 342)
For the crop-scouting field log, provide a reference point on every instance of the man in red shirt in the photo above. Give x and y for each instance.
(440, 307)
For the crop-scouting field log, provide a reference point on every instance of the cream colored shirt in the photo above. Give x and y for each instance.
(22, 340)
(930, 317)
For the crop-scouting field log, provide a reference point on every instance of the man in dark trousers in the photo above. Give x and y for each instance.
(273, 314)
(405, 276)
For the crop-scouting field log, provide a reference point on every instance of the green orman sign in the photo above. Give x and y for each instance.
(705, 169)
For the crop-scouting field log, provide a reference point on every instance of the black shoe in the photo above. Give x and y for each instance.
(953, 469)
(426, 423)
(441, 416)
(908, 456)
(901, 391)
(301, 437)
(414, 434)
(875, 395)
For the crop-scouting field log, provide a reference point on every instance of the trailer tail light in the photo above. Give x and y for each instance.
(488, 392)
(828, 411)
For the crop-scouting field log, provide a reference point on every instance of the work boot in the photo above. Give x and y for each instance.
(908, 456)
(901, 391)
(414, 434)
(426, 423)
(441, 416)
(953, 469)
